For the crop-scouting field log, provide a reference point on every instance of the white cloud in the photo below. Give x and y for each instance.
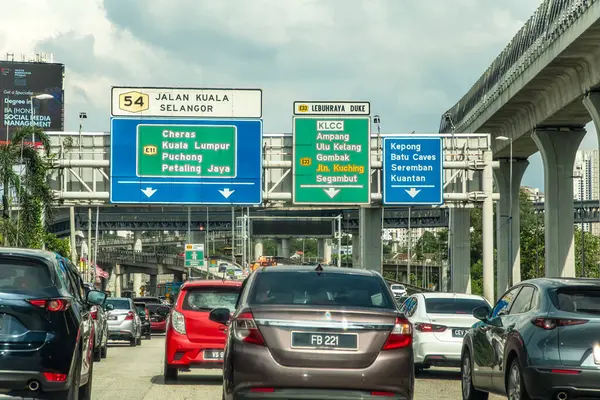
(411, 59)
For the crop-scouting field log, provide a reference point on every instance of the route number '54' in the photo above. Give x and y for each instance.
(134, 102)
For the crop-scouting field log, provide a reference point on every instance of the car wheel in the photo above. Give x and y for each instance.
(133, 342)
(170, 373)
(138, 341)
(85, 391)
(104, 351)
(469, 392)
(515, 386)
(148, 336)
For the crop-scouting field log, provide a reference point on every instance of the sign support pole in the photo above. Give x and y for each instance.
(189, 235)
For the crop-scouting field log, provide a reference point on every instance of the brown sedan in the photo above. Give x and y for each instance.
(302, 332)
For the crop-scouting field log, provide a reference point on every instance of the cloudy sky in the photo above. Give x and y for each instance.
(411, 59)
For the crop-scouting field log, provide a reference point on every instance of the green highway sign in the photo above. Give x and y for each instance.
(332, 160)
(186, 151)
(194, 255)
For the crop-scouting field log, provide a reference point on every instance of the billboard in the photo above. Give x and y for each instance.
(19, 83)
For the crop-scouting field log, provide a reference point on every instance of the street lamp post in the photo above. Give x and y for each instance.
(510, 205)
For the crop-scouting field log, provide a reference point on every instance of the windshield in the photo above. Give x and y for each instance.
(453, 306)
(148, 300)
(209, 298)
(577, 300)
(397, 287)
(308, 287)
(119, 304)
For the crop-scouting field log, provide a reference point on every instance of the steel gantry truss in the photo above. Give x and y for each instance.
(81, 175)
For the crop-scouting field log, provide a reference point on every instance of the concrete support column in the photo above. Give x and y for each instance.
(285, 248)
(137, 284)
(356, 250)
(118, 282)
(137, 241)
(327, 251)
(508, 217)
(592, 102)
(460, 249)
(258, 249)
(370, 231)
(152, 284)
(558, 148)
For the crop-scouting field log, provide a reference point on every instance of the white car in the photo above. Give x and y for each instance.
(398, 290)
(440, 321)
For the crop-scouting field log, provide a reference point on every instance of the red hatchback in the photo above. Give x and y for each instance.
(192, 340)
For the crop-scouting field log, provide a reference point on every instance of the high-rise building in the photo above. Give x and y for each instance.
(585, 182)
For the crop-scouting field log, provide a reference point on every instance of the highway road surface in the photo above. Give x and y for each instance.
(135, 373)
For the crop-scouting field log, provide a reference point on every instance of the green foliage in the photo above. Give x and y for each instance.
(592, 254)
(33, 193)
(433, 245)
(57, 245)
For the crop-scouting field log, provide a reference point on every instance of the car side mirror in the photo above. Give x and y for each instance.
(220, 315)
(163, 311)
(109, 307)
(481, 313)
(95, 297)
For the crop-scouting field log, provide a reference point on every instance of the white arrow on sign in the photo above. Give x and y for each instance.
(412, 192)
(226, 192)
(149, 191)
(331, 192)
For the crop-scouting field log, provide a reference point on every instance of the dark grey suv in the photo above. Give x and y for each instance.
(541, 341)
(316, 333)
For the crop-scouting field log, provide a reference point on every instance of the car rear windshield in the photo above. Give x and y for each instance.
(397, 287)
(23, 274)
(310, 288)
(119, 304)
(153, 307)
(453, 306)
(208, 298)
(577, 300)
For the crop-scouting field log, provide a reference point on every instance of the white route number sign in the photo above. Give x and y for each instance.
(186, 103)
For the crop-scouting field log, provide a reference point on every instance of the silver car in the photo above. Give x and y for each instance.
(124, 323)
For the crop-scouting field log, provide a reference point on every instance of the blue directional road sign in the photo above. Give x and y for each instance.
(178, 161)
(413, 170)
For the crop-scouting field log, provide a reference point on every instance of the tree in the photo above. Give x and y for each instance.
(33, 193)
(591, 256)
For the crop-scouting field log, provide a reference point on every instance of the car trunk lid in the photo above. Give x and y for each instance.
(196, 304)
(324, 337)
(456, 326)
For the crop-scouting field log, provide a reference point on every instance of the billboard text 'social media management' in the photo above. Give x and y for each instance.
(414, 155)
(187, 151)
(336, 141)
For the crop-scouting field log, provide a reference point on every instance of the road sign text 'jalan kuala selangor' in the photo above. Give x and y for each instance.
(332, 160)
(413, 170)
(186, 103)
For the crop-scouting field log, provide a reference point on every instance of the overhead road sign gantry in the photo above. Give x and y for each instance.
(332, 108)
(332, 160)
(413, 170)
(186, 103)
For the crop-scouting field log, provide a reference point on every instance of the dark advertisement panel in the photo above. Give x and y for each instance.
(31, 92)
(272, 228)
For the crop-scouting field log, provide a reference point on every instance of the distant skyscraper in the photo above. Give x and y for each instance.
(585, 185)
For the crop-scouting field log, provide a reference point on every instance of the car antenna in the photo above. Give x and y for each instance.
(319, 269)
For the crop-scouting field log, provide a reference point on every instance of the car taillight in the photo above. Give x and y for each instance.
(147, 314)
(53, 377)
(129, 316)
(401, 335)
(53, 305)
(262, 390)
(94, 313)
(383, 394)
(246, 330)
(551, 323)
(178, 322)
(429, 327)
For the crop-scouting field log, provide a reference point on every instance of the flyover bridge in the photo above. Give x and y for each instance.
(537, 95)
